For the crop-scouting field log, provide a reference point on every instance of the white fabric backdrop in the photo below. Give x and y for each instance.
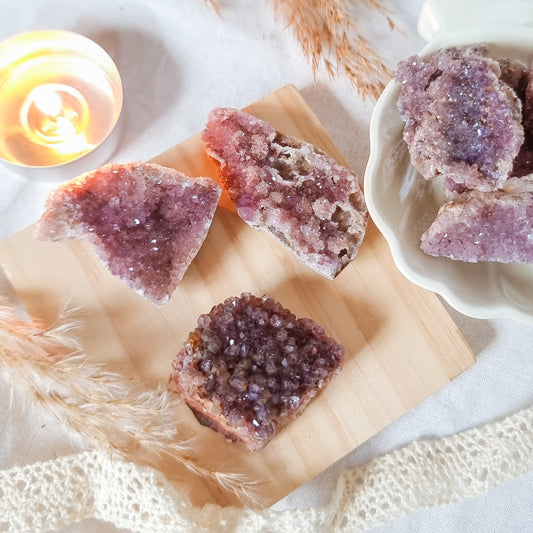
(178, 60)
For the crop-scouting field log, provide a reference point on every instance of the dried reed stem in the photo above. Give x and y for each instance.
(103, 407)
(330, 36)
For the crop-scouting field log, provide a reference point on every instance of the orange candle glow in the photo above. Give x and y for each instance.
(60, 98)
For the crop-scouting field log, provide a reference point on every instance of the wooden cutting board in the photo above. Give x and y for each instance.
(401, 344)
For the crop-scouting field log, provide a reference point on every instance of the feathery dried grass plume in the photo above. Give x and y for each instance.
(105, 408)
(330, 36)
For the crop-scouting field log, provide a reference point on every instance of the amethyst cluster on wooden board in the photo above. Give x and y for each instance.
(288, 187)
(146, 222)
(469, 120)
(250, 367)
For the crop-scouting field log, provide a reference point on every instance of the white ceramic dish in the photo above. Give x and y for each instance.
(403, 204)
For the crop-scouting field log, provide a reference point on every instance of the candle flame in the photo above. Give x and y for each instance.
(56, 115)
(47, 100)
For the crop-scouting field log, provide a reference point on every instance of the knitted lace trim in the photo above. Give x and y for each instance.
(48, 495)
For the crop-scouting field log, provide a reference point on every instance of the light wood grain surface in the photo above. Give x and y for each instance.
(401, 344)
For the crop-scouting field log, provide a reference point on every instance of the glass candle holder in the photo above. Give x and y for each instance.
(60, 102)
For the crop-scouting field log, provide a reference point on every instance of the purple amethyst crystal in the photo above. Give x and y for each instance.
(290, 188)
(483, 226)
(523, 164)
(146, 222)
(251, 366)
(461, 119)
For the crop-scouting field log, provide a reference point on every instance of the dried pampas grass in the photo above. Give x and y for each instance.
(330, 36)
(105, 408)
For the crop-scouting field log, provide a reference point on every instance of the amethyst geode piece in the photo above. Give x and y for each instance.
(484, 226)
(146, 222)
(461, 119)
(523, 164)
(290, 188)
(251, 367)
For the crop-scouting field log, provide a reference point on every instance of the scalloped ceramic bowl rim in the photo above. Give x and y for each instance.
(519, 38)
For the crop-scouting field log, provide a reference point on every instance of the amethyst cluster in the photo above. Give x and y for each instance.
(251, 366)
(469, 120)
(146, 222)
(305, 199)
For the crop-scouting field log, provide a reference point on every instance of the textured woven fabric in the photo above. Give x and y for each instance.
(51, 494)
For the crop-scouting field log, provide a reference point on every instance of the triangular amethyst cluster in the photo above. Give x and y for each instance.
(146, 222)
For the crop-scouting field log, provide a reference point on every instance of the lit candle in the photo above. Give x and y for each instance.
(60, 98)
